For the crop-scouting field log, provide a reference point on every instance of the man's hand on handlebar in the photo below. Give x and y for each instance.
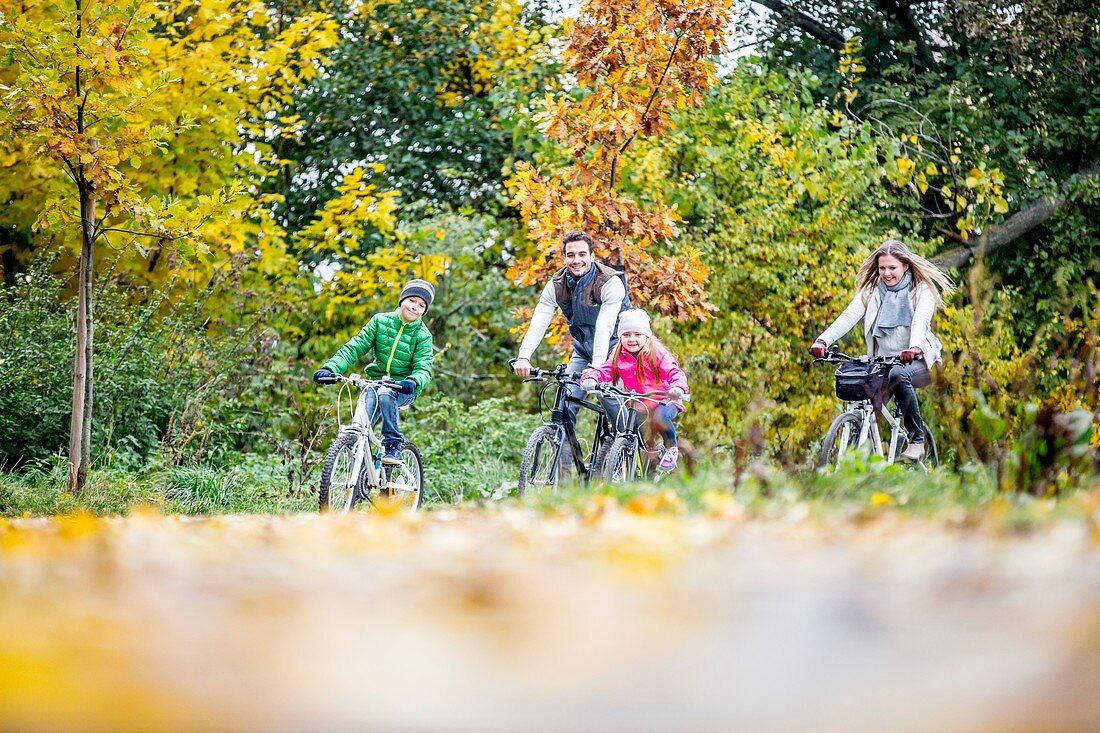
(522, 368)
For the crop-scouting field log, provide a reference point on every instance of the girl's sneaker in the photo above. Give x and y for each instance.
(669, 458)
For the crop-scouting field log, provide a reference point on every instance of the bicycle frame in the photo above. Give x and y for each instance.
(628, 406)
(362, 425)
(865, 411)
(567, 428)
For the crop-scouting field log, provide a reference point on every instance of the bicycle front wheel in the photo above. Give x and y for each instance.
(619, 463)
(403, 486)
(539, 468)
(338, 485)
(841, 437)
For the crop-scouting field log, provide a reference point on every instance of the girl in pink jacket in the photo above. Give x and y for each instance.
(641, 363)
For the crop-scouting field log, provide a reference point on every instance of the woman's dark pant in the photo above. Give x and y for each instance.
(619, 418)
(905, 380)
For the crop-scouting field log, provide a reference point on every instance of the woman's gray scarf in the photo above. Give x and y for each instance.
(895, 309)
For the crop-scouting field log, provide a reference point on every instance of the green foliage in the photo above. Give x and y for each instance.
(776, 198)
(469, 452)
(472, 316)
(117, 487)
(35, 376)
(169, 378)
(433, 91)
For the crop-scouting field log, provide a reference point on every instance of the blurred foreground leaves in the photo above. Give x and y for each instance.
(600, 614)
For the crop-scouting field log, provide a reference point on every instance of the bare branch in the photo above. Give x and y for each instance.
(805, 23)
(1016, 225)
(153, 235)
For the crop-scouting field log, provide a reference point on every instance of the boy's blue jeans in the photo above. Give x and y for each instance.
(386, 404)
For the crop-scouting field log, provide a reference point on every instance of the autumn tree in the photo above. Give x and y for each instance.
(90, 87)
(635, 63)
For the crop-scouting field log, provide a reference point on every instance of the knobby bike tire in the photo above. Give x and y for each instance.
(619, 464)
(931, 452)
(409, 472)
(343, 443)
(542, 453)
(831, 449)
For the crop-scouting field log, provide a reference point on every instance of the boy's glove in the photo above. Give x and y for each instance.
(588, 384)
(324, 376)
(675, 393)
(406, 386)
(818, 349)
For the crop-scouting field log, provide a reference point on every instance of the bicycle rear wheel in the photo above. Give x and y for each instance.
(619, 462)
(931, 452)
(841, 437)
(540, 467)
(403, 483)
(338, 486)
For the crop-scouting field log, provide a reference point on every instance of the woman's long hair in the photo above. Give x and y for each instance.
(648, 353)
(922, 270)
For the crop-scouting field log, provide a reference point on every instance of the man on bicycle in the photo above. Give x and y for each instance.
(590, 295)
(401, 347)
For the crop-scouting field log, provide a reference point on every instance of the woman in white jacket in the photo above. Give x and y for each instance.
(896, 294)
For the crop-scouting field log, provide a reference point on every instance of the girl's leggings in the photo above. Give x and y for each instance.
(663, 416)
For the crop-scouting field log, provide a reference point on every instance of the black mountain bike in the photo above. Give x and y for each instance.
(555, 441)
(630, 453)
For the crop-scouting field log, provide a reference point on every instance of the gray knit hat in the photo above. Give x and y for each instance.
(419, 288)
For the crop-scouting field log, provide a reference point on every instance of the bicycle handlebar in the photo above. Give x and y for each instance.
(618, 392)
(362, 383)
(540, 375)
(835, 356)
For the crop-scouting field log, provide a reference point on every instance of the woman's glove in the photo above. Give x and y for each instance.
(324, 376)
(675, 393)
(588, 384)
(818, 349)
(406, 386)
(909, 355)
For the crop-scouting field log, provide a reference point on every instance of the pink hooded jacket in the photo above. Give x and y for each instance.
(669, 375)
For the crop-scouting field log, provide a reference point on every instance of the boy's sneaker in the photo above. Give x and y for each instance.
(669, 458)
(393, 455)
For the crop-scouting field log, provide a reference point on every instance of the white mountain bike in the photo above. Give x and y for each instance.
(353, 474)
(861, 381)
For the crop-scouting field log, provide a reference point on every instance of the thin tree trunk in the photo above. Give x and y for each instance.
(87, 282)
(80, 426)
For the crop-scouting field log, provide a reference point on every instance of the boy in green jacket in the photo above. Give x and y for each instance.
(401, 347)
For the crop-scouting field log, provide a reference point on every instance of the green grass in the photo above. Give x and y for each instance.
(258, 484)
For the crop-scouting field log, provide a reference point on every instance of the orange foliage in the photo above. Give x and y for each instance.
(638, 62)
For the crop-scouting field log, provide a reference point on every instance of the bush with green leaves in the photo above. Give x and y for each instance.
(470, 452)
(167, 377)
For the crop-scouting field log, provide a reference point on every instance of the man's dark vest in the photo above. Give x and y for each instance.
(581, 305)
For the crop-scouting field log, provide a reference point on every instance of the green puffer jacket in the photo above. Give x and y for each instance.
(400, 350)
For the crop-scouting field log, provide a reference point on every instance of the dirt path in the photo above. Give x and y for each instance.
(517, 621)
